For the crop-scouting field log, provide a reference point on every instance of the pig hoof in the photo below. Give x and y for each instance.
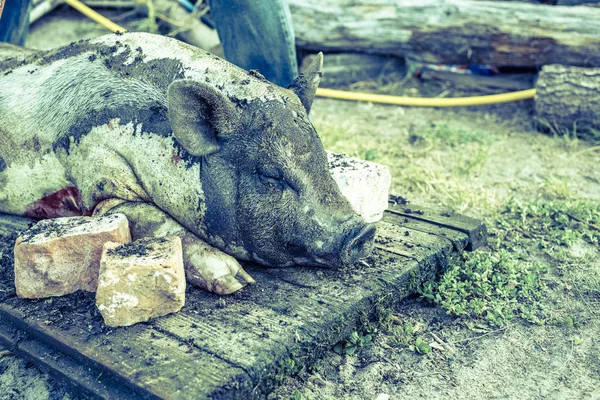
(217, 272)
(228, 284)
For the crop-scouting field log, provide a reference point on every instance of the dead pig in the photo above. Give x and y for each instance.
(183, 143)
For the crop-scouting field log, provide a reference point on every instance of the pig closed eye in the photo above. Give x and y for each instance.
(275, 180)
(271, 180)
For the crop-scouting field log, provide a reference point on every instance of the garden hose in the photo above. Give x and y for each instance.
(93, 15)
(428, 102)
(356, 96)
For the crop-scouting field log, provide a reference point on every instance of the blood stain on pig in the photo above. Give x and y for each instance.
(63, 203)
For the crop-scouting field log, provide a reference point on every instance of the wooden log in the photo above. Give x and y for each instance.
(485, 84)
(341, 69)
(568, 100)
(452, 31)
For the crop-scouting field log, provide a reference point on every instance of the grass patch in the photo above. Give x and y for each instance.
(493, 286)
(408, 335)
(439, 159)
(502, 283)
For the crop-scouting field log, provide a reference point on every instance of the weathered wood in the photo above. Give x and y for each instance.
(348, 68)
(439, 216)
(485, 84)
(568, 100)
(90, 382)
(240, 346)
(452, 31)
(458, 239)
(593, 3)
(143, 360)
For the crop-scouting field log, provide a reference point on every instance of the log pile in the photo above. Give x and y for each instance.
(452, 31)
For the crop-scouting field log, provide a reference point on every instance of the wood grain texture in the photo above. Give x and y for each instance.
(568, 98)
(452, 31)
(239, 346)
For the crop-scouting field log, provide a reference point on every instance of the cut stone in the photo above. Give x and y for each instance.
(140, 280)
(365, 184)
(62, 255)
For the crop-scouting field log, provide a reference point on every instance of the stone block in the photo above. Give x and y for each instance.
(365, 184)
(140, 280)
(62, 255)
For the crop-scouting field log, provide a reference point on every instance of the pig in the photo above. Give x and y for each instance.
(181, 142)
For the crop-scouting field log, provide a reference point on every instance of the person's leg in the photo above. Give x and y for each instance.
(14, 22)
(258, 34)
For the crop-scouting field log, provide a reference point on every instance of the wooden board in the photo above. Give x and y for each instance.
(240, 346)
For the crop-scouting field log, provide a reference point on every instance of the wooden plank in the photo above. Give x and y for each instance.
(152, 363)
(91, 382)
(459, 239)
(443, 217)
(239, 346)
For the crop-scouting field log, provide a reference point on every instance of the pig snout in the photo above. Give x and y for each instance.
(357, 244)
(336, 244)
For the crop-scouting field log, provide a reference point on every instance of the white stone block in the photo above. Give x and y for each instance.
(365, 184)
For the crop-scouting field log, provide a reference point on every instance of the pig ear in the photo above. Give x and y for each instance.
(199, 115)
(306, 84)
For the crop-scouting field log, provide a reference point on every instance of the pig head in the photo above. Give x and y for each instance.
(266, 178)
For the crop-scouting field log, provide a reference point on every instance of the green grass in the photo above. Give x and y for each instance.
(494, 286)
(442, 160)
(529, 249)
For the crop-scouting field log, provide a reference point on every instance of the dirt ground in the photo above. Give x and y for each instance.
(539, 196)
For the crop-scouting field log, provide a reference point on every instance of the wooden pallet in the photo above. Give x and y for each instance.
(233, 347)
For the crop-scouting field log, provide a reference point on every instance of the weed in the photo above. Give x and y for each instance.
(355, 340)
(494, 286)
(501, 283)
(370, 155)
(407, 335)
(300, 396)
(555, 188)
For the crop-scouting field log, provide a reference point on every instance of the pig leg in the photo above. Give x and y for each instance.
(205, 266)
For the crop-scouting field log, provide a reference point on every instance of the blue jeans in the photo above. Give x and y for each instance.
(14, 22)
(258, 34)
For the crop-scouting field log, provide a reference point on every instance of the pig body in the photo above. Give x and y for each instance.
(183, 143)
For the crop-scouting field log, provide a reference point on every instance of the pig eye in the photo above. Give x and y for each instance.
(271, 178)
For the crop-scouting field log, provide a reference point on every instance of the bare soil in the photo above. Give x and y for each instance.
(475, 160)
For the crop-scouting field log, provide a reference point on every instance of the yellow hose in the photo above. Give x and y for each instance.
(356, 96)
(424, 102)
(93, 15)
